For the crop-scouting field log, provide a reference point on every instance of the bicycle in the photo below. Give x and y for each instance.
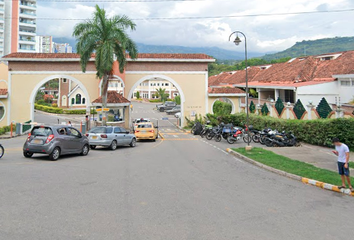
(2, 151)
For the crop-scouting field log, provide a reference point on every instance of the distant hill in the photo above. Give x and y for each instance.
(314, 47)
(218, 53)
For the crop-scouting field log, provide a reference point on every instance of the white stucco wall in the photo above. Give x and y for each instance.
(316, 92)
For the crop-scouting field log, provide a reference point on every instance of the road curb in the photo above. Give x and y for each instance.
(308, 181)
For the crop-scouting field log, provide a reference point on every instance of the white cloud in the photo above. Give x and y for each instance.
(271, 33)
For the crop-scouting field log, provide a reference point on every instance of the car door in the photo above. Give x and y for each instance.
(74, 140)
(126, 136)
(119, 136)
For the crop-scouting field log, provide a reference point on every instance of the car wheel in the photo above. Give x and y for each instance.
(133, 143)
(93, 146)
(85, 150)
(27, 154)
(55, 154)
(113, 145)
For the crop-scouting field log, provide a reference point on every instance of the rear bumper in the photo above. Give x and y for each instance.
(100, 142)
(44, 149)
(142, 137)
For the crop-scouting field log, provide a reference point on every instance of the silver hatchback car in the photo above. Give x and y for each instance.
(110, 137)
(55, 141)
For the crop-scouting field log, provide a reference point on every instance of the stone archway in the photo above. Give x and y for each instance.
(171, 80)
(39, 84)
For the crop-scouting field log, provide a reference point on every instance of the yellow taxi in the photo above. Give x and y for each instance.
(146, 131)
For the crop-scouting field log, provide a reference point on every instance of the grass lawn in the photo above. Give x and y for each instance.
(292, 166)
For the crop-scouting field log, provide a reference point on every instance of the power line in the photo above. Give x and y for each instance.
(123, 1)
(212, 17)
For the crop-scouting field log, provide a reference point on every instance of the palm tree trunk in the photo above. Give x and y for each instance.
(104, 89)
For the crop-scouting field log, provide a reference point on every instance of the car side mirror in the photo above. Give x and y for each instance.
(157, 127)
(127, 132)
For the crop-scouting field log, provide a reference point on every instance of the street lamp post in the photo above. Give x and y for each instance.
(237, 42)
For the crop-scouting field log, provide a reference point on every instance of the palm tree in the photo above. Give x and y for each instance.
(107, 38)
(161, 92)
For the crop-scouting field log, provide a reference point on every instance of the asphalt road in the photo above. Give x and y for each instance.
(176, 188)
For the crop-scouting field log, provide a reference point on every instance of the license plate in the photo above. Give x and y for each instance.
(37, 141)
(143, 131)
(94, 137)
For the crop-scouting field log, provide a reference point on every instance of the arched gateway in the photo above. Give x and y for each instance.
(27, 71)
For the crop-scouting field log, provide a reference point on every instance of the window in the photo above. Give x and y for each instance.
(72, 101)
(289, 96)
(64, 80)
(167, 84)
(83, 100)
(73, 132)
(345, 83)
(78, 98)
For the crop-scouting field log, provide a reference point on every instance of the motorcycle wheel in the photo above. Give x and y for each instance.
(209, 136)
(231, 140)
(202, 133)
(218, 138)
(262, 140)
(256, 138)
(247, 139)
(193, 130)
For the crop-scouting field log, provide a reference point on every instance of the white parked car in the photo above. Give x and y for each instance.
(140, 120)
(178, 115)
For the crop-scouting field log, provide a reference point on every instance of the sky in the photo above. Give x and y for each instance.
(264, 33)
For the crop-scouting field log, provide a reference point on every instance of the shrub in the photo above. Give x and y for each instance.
(317, 132)
(43, 103)
(155, 100)
(54, 105)
(177, 100)
(222, 108)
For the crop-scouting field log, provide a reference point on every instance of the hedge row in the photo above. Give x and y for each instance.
(61, 111)
(4, 130)
(48, 109)
(317, 132)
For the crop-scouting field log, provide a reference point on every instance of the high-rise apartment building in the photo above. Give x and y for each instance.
(19, 25)
(62, 48)
(44, 44)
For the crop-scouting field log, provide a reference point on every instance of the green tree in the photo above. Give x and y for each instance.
(178, 100)
(107, 38)
(162, 94)
(137, 95)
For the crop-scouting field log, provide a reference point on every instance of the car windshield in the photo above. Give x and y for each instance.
(41, 131)
(144, 126)
(101, 130)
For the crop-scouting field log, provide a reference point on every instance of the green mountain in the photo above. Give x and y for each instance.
(314, 47)
(216, 52)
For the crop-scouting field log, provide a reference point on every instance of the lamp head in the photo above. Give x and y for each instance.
(237, 41)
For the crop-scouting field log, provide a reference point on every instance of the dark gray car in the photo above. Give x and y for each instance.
(110, 137)
(55, 141)
(174, 110)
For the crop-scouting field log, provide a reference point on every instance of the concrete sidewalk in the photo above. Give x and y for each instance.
(321, 157)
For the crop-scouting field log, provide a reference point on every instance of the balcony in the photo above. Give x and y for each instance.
(27, 4)
(27, 40)
(28, 14)
(26, 48)
(27, 32)
(27, 22)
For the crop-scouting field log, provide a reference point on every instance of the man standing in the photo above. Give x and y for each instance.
(342, 151)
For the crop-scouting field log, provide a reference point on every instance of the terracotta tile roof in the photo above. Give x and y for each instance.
(298, 72)
(225, 90)
(76, 56)
(113, 97)
(3, 91)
